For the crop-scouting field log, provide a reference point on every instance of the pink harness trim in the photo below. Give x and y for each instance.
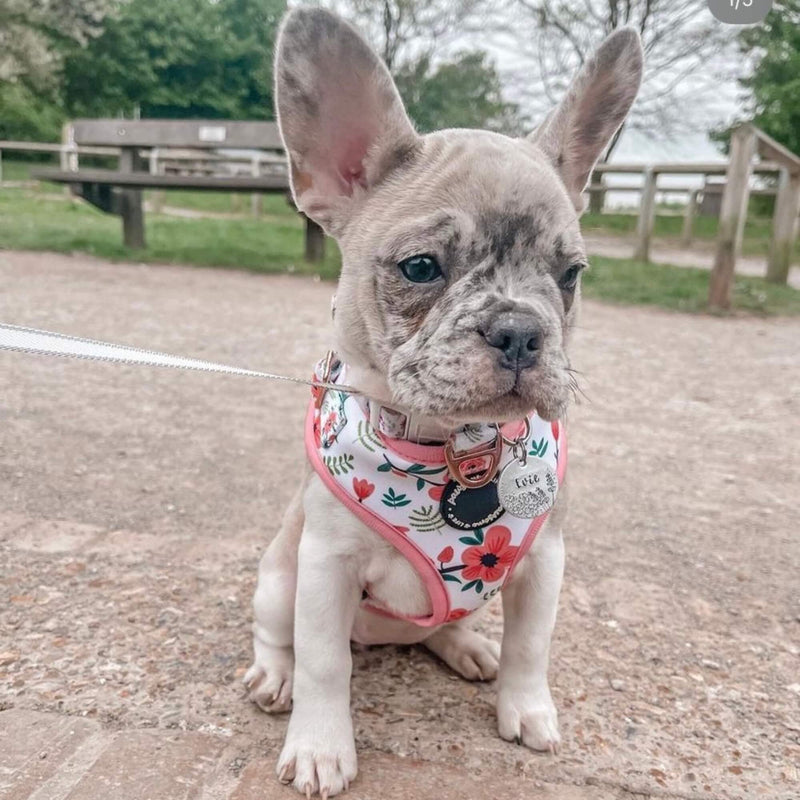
(422, 562)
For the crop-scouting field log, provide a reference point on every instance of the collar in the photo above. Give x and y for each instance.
(396, 424)
(474, 448)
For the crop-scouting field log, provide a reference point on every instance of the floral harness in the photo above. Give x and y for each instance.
(396, 488)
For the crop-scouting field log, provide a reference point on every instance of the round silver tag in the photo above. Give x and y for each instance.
(527, 490)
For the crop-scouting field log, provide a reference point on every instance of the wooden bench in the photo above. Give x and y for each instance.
(119, 191)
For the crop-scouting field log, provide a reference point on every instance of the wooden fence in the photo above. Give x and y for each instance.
(747, 141)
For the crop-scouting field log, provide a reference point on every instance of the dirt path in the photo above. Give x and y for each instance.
(134, 504)
(700, 254)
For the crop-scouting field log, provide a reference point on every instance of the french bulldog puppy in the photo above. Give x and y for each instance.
(477, 332)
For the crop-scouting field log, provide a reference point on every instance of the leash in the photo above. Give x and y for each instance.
(31, 340)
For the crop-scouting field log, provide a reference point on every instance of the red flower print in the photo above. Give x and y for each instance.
(401, 529)
(363, 488)
(554, 428)
(330, 422)
(436, 492)
(457, 613)
(489, 561)
(446, 555)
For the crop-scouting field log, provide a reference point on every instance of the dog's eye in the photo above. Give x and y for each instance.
(420, 269)
(569, 280)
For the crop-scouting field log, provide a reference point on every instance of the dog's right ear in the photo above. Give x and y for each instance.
(341, 118)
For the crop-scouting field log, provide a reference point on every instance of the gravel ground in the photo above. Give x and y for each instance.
(134, 504)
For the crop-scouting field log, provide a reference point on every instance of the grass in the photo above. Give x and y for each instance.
(226, 203)
(28, 222)
(31, 221)
(757, 230)
(680, 288)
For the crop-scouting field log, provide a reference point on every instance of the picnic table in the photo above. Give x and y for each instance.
(119, 191)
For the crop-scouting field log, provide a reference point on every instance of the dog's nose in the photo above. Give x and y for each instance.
(518, 337)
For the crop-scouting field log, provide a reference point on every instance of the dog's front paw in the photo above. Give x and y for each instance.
(318, 759)
(269, 679)
(529, 718)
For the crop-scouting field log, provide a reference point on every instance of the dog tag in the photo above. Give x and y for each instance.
(468, 509)
(527, 490)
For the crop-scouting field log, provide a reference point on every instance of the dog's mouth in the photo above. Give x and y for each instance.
(510, 404)
(483, 394)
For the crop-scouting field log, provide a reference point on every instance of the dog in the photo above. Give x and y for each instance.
(461, 268)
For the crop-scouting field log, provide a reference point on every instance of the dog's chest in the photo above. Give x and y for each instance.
(391, 582)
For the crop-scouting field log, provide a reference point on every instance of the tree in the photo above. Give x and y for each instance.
(177, 58)
(32, 33)
(684, 48)
(404, 30)
(29, 29)
(774, 84)
(442, 87)
(462, 93)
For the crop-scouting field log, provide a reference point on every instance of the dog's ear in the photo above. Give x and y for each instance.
(575, 134)
(341, 118)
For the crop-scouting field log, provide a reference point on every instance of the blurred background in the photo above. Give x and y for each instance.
(457, 63)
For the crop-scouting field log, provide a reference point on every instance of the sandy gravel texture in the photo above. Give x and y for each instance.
(134, 504)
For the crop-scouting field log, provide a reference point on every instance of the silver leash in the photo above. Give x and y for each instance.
(30, 340)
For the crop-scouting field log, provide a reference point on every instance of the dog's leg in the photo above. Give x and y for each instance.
(465, 651)
(525, 710)
(319, 752)
(269, 679)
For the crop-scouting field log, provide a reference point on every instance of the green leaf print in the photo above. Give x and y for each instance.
(539, 448)
(476, 538)
(393, 500)
(339, 465)
(426, 519)
(368, 438)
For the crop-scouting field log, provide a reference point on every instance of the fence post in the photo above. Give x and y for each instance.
(688, 218)
(255, 197)
(155, 169)
(732, 216)
(315, 242)
(131, 202)
(647, 213)
(784, 222)
(597, 198)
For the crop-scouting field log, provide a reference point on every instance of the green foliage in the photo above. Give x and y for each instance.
(34, 221)
(463, 93)
(680, 288)
(32, 30)
(177, 58)
(28, 116)
(775, 81)
(757, 229)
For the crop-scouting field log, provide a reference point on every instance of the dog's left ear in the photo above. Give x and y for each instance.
(575, 134)
(341, 118)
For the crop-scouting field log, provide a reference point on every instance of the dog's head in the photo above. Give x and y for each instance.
(461, 249)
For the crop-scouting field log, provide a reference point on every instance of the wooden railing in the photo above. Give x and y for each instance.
(747, 141)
